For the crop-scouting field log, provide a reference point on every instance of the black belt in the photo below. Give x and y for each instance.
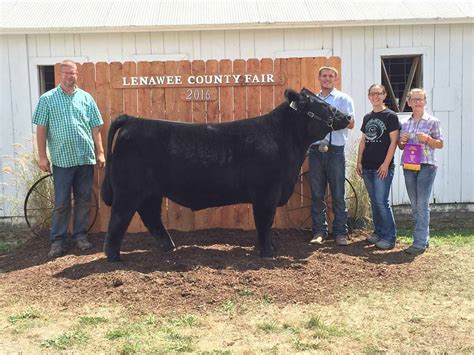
(331, 147)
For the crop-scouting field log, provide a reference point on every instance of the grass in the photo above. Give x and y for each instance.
(185, 320)
(12, 237)
(269, 327)
(442, 232)
(6, 246)
(435, 314)
(321, 329)
(179, 343)
(24, 316)
(91, 321)
(66, 340)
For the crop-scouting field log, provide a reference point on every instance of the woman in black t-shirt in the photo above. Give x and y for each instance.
(380, 132)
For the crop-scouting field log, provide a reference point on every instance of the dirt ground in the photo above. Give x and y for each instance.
(209, 267)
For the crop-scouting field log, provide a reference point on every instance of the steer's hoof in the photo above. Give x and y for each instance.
(168, 247)
(114, 259)
(267, 255)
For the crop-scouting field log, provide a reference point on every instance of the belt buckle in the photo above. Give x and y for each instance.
(323, 148)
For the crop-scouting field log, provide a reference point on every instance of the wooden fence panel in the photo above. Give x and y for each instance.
(211, 216)
(130, 106)
(116, 109)
(185, 114)
(199, 116)
(143, 110)
(226, 115)
(253, 109)
(242, 212)
(103, 99)
(294, 81)
(171, 68)
(225, 102)
(158, 111)
(280, 69)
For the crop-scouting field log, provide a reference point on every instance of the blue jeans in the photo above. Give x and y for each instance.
(327, 168)
(382, 215)
(78, 179)
(419, 186)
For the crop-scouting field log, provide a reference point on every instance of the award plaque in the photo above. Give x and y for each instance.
(412, 156)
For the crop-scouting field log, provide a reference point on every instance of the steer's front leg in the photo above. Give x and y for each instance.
(264, 216)
(111, 249)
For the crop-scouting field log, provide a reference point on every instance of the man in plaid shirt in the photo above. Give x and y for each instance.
(69, 120)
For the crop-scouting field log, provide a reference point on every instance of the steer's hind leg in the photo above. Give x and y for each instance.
(150, 212)
(120, 217)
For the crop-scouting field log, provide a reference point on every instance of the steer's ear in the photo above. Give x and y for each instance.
(292, 96)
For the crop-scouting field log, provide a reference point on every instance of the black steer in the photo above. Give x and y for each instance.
(255, 161)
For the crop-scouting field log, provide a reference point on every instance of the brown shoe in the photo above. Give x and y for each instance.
(83, 244)
(341, 239)
(414, 250)
(57, 250)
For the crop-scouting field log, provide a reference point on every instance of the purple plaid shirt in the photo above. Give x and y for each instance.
(427, 124)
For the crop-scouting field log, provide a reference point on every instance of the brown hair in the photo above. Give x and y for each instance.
(67, 63)
(378, 86)
(328, 68)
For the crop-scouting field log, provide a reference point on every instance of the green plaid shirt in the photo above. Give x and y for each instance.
(69, 120)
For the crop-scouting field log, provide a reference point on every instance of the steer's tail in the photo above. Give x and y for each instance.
(106, 191)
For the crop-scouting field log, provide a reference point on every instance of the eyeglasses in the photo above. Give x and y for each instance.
(376, 94)
(417, 99)
(69, 73)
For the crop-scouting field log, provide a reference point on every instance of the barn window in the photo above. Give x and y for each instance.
(46, 78)
(399, 75)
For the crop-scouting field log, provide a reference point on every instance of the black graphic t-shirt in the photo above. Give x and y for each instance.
(377, 127)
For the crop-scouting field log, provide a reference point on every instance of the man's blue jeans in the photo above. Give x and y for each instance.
(327, 168)
(382, 214)
(77, 179)
(419, 186)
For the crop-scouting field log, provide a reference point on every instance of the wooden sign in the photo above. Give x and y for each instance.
(199, 92)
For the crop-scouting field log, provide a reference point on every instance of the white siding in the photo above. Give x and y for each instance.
(16, 127)
(447, 61)
(6, 130)
(466, 115)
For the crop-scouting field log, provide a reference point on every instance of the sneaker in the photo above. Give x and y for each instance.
(318, 238)
(372, 239)
(341, 239)
(57, 250)
(414, 250)
(83, 244)
(384, 245)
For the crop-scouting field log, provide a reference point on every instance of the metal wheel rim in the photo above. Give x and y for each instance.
(39, 232)
(352, 214)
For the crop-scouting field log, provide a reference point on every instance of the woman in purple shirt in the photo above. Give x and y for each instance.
(423, 131)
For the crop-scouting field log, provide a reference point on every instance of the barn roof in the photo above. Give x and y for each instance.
(36, 16)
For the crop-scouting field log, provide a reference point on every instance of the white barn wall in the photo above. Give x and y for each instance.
(6, 131)
(15, 106)
(447, 61)
(467, 126)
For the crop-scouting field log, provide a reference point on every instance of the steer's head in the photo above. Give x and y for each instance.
(321, 117)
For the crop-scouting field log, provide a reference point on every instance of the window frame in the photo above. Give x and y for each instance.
(426, 61)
